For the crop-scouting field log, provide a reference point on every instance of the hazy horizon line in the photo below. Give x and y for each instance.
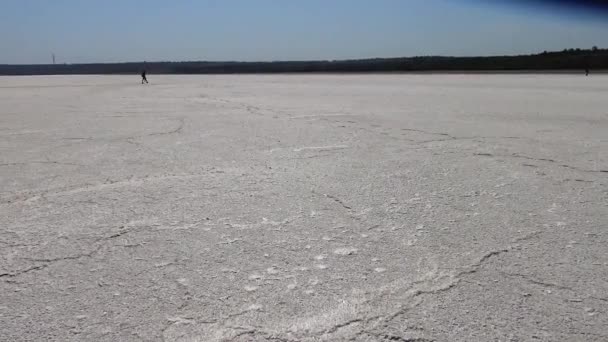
(310, 60)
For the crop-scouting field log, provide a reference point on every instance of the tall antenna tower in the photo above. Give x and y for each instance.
(53, 58)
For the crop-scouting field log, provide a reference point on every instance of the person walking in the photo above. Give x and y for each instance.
(143, 77)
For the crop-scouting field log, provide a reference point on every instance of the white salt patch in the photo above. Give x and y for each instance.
(255, 307)
(272, 270)
(345, 251)
(313, 281)
(251, 288)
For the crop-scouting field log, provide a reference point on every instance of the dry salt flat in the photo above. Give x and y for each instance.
(304, 208)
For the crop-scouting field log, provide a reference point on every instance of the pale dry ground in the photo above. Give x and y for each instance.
(304, 208)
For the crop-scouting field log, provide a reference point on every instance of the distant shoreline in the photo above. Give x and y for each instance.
(566, 61)
(429, 72)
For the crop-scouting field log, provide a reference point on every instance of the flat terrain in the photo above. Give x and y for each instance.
(304, 208)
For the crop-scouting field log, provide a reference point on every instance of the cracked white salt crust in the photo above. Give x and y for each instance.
(186, 205)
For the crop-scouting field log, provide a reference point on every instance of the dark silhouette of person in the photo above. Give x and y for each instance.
(587, 72)
(143, 77)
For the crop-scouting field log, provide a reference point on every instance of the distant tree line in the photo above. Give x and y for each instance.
(568, 59)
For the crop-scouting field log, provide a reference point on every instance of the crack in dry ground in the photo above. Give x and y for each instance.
(339, 201)
(47, 262)
(41, 162)
(452, 137)
(18, 273)
(534, 281)
(176, 130)
(89, 187)
(548, 160)
(390, 337)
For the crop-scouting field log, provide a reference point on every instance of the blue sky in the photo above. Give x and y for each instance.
(82, 31)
